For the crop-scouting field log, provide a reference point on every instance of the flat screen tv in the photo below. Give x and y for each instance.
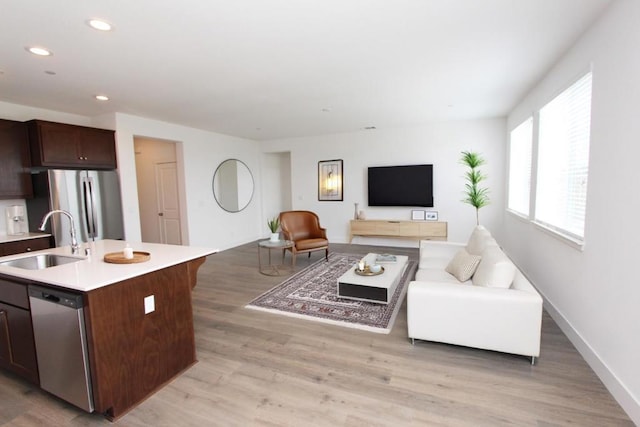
(410, 185)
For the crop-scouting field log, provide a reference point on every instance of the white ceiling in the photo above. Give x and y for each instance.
(266, 69)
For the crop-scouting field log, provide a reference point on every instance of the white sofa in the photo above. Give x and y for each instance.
(501, 311)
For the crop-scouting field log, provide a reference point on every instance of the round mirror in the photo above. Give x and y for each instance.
(233, 185)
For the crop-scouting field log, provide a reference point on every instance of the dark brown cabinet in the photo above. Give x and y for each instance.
(26, 245)
(15, 180)
(59, 145)
(17, 347)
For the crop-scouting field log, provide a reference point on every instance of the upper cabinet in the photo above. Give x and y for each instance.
(15, 180)
(58, 145)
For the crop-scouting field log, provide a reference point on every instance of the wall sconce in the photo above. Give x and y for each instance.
(330, 180)
(332, 183)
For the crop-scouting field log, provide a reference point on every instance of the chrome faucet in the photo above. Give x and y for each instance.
(74, 242)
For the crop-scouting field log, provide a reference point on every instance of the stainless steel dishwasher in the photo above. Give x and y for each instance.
(61, 345)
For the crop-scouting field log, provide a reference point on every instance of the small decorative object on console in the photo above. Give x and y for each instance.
(431, 215)
(417, 215)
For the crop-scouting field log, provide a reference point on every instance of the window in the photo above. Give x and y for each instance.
(563, 160)
(520, 167)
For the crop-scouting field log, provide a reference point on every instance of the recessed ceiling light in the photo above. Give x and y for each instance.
(40, 51)
(99, 24)
(102, 97)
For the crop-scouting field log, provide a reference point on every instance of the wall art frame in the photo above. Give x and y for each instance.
(330, 180)
(431, 215)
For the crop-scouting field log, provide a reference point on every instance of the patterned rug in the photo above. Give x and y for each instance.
(311, 294)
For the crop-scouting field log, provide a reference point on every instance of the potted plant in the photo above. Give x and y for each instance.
(273, 226)
(475, 195)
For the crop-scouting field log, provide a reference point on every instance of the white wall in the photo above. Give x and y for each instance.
(200, 153)
(594, 295)
(437, 143)
(276, 186)
(22, 113)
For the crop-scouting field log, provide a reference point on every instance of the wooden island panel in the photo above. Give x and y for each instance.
(134, 354)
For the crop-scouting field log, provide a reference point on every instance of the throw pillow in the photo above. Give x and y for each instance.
(478, 240)
(463, 265)
(495, 269)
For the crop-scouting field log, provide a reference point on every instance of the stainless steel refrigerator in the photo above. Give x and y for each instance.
(92, 197)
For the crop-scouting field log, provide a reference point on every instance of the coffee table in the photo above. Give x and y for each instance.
(378, 289)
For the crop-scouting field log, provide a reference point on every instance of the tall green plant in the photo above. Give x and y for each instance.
(474, 195)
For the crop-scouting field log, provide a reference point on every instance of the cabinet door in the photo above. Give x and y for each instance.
(15, 180)
(388, 228)
(97, 147)
(27, 245)
(434, 230)
(409, 229)
(59, 145)
(54, 144)
(360, 227)
(17, 348)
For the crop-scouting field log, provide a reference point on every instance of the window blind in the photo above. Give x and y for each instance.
(520, 147)
(563, 160)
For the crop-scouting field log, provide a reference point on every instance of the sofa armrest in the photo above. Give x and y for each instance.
(323, 232)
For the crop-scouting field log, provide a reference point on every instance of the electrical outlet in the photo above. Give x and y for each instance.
(149, 304)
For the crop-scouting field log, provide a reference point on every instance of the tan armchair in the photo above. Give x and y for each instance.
(303, 228)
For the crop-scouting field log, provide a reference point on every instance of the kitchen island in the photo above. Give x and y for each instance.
(138, 317)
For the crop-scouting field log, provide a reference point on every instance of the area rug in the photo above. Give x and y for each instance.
(311, 294)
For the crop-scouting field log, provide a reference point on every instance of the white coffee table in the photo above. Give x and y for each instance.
(379, 288)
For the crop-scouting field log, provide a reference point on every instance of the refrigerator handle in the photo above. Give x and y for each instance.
(89, 207)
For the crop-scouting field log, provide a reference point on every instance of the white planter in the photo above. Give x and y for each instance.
(275, 237)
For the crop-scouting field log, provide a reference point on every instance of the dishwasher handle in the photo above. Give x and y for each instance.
(55, 296)
(50, 297)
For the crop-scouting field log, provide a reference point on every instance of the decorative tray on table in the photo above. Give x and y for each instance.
(367, 271)
(118, 257)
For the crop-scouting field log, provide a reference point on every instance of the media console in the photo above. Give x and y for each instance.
(416, 230)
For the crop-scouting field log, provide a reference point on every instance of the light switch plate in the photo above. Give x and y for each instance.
(149, 304)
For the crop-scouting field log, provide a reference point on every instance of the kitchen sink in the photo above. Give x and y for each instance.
(40, 261)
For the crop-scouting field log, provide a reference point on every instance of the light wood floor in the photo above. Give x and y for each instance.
(261, 369)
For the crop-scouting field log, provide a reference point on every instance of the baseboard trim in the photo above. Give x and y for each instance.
(617, 389)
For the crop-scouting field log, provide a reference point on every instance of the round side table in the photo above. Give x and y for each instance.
(271, 268)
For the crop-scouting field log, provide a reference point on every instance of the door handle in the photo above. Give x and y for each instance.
(160, 214)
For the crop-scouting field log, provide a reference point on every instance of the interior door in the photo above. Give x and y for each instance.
(168, 204)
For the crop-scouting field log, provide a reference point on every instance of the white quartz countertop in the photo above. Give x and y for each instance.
(93, 272)
(4, 238)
